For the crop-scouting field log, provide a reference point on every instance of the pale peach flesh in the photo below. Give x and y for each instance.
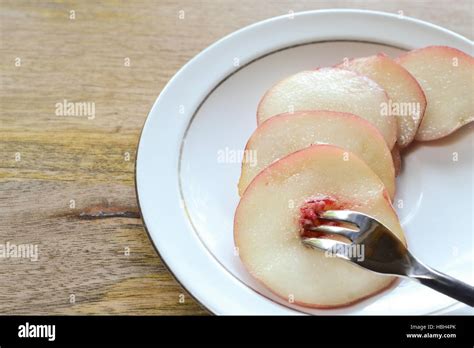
(284, 134)
(406, 98)
(446, 76)
(330, 89)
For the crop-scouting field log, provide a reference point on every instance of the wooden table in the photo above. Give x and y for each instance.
(67, 182)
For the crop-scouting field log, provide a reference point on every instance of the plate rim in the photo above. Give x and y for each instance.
(214, 307)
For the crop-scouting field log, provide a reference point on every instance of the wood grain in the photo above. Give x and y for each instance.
(67, 182)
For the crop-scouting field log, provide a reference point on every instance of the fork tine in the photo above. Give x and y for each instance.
(326, 245)
(356, 218)
(346, 232)
(320, 243)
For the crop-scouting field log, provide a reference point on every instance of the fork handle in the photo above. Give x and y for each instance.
(444, 283)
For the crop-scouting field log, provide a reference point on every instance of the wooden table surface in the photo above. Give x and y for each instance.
(67, 182)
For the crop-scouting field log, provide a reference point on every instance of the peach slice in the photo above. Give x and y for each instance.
(397, 160)
(268, 226)
(407, 101)
(447, 78)
(330, 89)
(283, 134)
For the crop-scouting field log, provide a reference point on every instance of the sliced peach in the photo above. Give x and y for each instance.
(447, 78)
(330, 89)
(268, 226)
(407, 101)
(281, 135)
(397, 159)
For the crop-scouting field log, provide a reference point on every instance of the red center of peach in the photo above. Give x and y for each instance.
(309, 215)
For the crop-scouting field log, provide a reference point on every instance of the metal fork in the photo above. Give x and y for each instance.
(383, 252)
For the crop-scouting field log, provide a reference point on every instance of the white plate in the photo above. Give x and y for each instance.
(187, 196)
